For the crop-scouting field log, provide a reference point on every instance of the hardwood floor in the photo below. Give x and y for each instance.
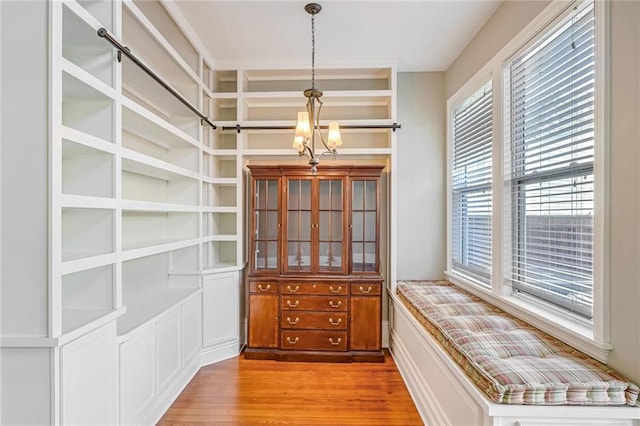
(245, 392)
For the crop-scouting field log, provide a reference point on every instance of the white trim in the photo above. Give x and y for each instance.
(220, 352)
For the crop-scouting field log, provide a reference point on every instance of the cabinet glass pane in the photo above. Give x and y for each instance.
(370, 195)
(357, 195)
(293, 201)
(261, 194)
(330, 256)
(305, 195)
(292, 226)
(357, 231)
(330, 195)
(272, 225)
(299, 255)
(370, 257)
(336, 226)
(325, 226)
(305, 225)
(370, 226)
(266, 224)
(272, 251)
(261, 255)
(261, 225)
(272, 195)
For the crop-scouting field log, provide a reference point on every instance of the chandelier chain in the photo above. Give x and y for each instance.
(313, 51)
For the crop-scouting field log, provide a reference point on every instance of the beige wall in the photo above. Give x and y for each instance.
(624, 188)
(504, 24)
(421, 159)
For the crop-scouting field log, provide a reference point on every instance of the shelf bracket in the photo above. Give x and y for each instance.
(102, 32)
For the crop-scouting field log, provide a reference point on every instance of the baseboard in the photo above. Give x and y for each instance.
(220, 352)
(385, 334)
(155, 412)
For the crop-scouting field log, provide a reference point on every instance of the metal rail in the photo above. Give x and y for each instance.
(102, 32)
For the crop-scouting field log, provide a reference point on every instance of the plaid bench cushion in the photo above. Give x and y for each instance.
(511, 361)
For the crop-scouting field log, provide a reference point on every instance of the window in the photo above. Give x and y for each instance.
(471, 185)
(550, 154)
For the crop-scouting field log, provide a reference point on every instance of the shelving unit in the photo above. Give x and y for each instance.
(132, 201)
(136, 212)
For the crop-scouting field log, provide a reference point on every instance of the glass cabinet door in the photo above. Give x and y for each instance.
(266, 225)
(331, 247)
(364, 225)
(299, 225)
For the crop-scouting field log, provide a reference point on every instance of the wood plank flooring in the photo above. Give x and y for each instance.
(247, 392)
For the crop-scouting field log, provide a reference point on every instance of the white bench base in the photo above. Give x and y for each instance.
(444, 395)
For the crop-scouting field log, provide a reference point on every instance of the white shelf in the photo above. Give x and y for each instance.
(90, 262)
(156, 119)
(144, 310)
(78, 322)
(150, 206)
(86, 109)
(86, 202)
(144, 164)
(161, 247)
(220, 181)
(219, 209)
(96, 14)
(86, 139)
(152, 139)
(219, 238)
(82, 47)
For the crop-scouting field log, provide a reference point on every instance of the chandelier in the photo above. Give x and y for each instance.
(308, 126)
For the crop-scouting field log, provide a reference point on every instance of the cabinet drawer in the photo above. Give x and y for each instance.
(314, 340)
(263, 287)
(314, 320)
(315, 288)
(314, 303)
(366, 289)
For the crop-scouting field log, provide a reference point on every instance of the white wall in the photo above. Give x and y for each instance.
(421, 161)
(624, 189)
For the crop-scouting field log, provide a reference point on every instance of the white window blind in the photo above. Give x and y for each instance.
(551, 149)
(471, 185)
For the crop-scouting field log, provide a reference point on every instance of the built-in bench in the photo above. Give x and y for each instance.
(467, 362)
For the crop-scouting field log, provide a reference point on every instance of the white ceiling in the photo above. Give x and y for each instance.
(419, 35)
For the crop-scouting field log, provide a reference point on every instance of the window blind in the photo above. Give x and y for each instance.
(471, 185)
(551, 156)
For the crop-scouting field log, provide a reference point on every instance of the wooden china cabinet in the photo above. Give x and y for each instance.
(315, 290)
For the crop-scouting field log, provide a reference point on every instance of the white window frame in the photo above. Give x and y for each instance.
(589, 337)
(452, 107)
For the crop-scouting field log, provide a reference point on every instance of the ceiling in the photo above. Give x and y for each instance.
(420, 35)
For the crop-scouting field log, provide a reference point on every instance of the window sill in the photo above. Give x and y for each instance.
(563, 327)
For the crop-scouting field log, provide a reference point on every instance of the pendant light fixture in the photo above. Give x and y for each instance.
(308, 126)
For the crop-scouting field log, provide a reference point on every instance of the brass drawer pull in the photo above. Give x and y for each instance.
(295, 321)
(332, 322)
(335, 291)
(367, 291)
(292, 305)
(264, 288)
(335, 305)
(293, 290)
(292, 342)
(337, 342)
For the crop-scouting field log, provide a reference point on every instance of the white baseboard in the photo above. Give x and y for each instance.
(220, 352)
(385, 334)
(155, 412)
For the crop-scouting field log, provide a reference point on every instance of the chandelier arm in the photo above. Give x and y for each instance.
(317, 125)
